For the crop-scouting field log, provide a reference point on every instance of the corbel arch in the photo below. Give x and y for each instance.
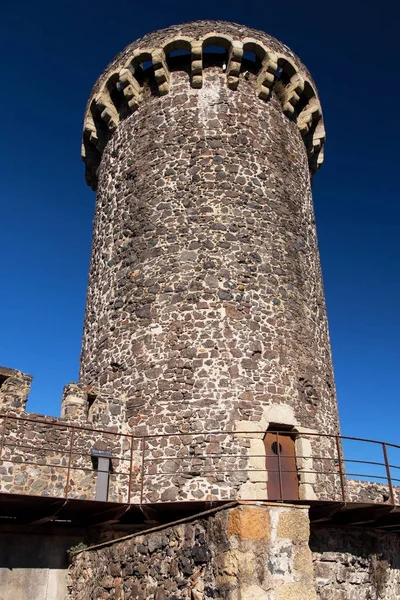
(215, 49)
(309, 109)
(268, 66)
(291, 85)
(177, 53)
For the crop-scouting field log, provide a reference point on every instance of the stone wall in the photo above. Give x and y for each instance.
(47, 456)
(355, 564)
(244, 552)
(205, 305)
(371, 491)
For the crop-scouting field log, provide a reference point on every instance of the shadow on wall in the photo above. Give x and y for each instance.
(25, 551)
(359, 563)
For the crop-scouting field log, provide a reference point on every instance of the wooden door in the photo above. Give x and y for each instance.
(281, 466)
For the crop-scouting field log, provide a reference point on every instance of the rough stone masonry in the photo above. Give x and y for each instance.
(205, 305)
(239, 553)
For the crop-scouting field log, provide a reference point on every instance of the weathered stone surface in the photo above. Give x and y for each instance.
(225, 554)
(295, 591)
(205, 285)
(293, 525)
(249, 523)
(355, 563)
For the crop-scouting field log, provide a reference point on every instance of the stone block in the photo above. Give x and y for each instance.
(249, 429)
(258, 476)
(250, 592)
(294, 524)
(306, 492)
(295, 591)
(303, 562)
(253, 491)
(249, 523)
(280, 414)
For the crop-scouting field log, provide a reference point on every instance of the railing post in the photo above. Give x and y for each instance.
(211, 470)
(279, 466)
(142, 479)
(340, 459)
(388, 475)
(69, 462)
(130, 471)
(3, 436)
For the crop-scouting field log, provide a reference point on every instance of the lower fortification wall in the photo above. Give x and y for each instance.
(246, 552)
(355, 564)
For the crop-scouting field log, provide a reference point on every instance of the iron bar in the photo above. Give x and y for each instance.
(244, 456)
(69, 462)
(389, 478)
(3, 435)
(279, 465)
(142, 469)
(130, 472)
(342, 484)
(211, 475)
(180, 434)
(72, 468)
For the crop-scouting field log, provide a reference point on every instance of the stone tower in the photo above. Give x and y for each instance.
(205, 306)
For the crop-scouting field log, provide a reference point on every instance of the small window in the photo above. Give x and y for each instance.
(91, 398)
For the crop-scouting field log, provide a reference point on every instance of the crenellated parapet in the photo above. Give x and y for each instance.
(78, 402)
(14, 389)
(239, 51)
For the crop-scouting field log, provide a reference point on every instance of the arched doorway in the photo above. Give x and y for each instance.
(280, 463)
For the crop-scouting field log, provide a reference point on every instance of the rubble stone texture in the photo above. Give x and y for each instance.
(205, 303)
(239, 553)
(355, 564)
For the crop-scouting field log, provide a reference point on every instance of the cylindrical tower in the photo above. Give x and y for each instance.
(205, 307)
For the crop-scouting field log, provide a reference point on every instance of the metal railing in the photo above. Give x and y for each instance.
(46, 457)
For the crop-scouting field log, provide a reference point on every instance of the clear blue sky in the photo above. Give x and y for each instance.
(52, 51)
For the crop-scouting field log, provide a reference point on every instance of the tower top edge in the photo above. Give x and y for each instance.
(189, 42)
(197, 30)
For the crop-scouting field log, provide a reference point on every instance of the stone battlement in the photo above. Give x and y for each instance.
(14, 389)
(145, 69)
(76, 402)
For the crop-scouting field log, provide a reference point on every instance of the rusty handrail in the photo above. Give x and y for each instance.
(341, 475)
(57, 423)
(138, 455)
